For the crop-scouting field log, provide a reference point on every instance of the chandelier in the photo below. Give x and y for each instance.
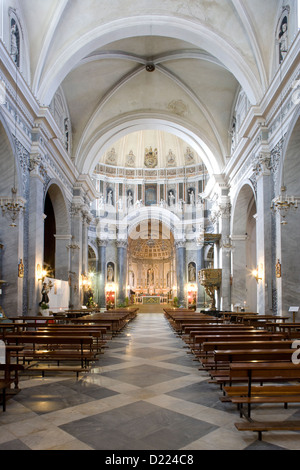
(283, 204)
(12, 207)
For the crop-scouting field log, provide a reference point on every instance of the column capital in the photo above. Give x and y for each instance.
(101, 242)
(180, 243)
(121, 243)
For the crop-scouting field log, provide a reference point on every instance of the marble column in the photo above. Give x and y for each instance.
(181, 271)
(76, 257)
(225, 257)
(200, 265)
(101, 273)
(36, 233)
(85, 227)
(121, 270)
(263, 234)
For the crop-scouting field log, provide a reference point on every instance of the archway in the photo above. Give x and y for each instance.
(244, 289)
(288, 234)
(151, 263)
(11, 234)
(56, 233)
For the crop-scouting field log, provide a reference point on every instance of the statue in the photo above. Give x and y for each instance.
(278, 269)
(45, 297)
(21, 269)
(171, 198)
(110, 273)
(283, 42)
(14, 43)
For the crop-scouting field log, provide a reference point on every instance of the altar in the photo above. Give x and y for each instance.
(151, 299)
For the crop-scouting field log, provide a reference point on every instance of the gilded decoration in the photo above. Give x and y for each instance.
(151, 158)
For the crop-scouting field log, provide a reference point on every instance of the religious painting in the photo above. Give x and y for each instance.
(110, 272)
(150, 194)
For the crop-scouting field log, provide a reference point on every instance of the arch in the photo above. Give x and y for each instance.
(244, 289)
(104, 138)
(141, 217)
(60, 206)
(172, 26)
(289, 156)
(288, 235)
(62, 229)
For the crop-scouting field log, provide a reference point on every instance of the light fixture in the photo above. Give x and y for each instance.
(12, 206)
(283, 203)
(256, 274)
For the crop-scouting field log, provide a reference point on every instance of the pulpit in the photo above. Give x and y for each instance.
(211, 280)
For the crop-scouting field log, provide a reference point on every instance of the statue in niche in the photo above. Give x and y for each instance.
(67, 134)
(283, 40)
(129, 199)
(110, 197)
(192, 272)
(130, 159)
(110, 272)
(14, 42)
(171, 199)
(191, 197)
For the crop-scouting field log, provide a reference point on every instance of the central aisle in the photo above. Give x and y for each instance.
(145, 393)
(153, 396)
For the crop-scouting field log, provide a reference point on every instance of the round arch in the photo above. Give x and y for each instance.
(141, 217)
(244, 288)
(62, 228)
(88, 157)
(171, 26)
(288, 234)
(59, 202)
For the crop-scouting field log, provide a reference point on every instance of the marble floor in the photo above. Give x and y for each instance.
(145, 393)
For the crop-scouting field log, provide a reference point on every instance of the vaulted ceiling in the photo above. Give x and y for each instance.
(166, 64)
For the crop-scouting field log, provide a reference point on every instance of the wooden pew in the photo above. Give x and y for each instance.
(276, 372)
(198, 338)
(255, 344)
(224, 358)
(58, 348)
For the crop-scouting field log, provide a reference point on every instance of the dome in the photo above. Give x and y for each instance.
(150, 249)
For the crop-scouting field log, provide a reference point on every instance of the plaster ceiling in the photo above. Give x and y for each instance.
(97, 52)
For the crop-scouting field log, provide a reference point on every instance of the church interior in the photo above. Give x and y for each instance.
(149, 225)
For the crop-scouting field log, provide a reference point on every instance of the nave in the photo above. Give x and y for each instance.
(145, 393)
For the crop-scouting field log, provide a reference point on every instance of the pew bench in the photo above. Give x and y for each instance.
(4, 385)
(276, 372)
(55, 348)
(264, 426)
